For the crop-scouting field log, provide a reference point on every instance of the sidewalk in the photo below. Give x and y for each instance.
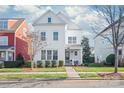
(71, 72)
(5, 73)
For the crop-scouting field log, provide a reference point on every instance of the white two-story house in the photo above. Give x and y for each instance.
(63, 38)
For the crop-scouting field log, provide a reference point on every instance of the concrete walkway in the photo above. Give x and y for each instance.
(71, 73)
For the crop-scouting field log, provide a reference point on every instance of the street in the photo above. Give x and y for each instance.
(39, 83)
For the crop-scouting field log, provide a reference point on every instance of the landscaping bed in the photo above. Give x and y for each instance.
(104, 76)
(21, 76)
(97, 69)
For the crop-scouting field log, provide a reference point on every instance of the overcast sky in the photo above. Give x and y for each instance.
(85, 16)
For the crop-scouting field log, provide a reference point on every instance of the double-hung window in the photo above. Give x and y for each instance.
(55, 35)
(55, 55)
(69, 40)
(43, 36)
(4, 40)
(72, 40)
(4, 24)
(43, 54)
(49, 55)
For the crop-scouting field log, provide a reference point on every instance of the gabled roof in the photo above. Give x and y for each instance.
(71, 25)
(16, 24)
(108, 27)
(42, 16)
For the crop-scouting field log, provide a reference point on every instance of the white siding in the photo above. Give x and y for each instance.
(102, 49)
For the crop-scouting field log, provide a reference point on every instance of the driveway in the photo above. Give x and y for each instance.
(39, 83)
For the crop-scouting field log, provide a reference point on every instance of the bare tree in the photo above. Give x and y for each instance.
(35, 44)
(114, 17)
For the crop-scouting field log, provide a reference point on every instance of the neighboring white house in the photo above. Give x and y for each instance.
(63, 38)
(103, 47)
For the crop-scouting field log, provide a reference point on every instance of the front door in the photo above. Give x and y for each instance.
(68, 62)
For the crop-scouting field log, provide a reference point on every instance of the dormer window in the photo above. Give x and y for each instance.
(49, 19)
(4, 24)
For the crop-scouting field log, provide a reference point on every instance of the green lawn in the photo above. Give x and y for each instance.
(11, 70)
(20, 76)
(97, 69)
(90, 76)
(59, 69)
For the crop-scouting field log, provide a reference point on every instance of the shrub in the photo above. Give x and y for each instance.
(12, 64)
(86, 64)
(20, 58)
(96, 65)
(47, 63)
(54, 63)
(110, 60)
(61, 63)
(1, 64)
(39, 63)
(91, 59)
(27, 64)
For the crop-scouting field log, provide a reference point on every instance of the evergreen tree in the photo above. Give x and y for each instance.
(85, 50)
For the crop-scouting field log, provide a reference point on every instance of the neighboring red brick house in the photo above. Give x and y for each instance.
(13, 39)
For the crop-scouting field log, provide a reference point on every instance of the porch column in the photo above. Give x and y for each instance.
(81, 55)
(6, 56)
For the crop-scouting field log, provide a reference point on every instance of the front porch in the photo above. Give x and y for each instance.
(7, 53)
(73, 55)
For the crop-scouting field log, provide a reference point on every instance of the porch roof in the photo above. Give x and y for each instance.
(7, 47)
(77, 46)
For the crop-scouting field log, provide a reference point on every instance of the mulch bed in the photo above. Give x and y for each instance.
(112, 75)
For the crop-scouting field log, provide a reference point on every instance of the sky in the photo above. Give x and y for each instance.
(84, 16)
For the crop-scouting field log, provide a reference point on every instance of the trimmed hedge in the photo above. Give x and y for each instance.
(96, 65)
(40, 63)
(20, 58)
(27, 64)
(110, 59)
(12, 64)
(61, 63)
(47, 63)
(54, 63)
(1, 64)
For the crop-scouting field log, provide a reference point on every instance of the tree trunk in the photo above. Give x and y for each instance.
(116, 60)
(32, 63)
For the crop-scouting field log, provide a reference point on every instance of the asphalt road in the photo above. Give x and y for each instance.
(38, 83)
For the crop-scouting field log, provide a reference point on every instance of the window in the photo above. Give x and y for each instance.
(120, 52)
(49, 55)
(3, 40)
(55, 35)
(43, 36)
(2, 55)
(72, 40)
(4, 24)
(43, 54)
(69, 40)
(75, 53)
(55, 55)
(49, 20)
